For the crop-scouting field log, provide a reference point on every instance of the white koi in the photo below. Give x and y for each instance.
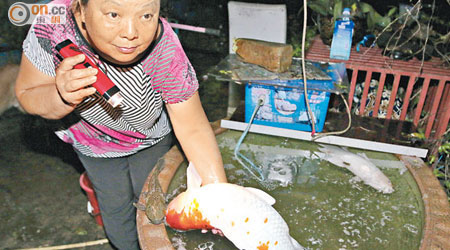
(362, 167)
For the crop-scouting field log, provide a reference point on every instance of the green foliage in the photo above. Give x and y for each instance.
(338, 8)
(438, 173)
(328, 8)
(331, 8)
(447, 184)
(441, 163)
(418, 135)
(374, 18)
(444, 148)
(296, 41)
(432, 159)
(322, 7)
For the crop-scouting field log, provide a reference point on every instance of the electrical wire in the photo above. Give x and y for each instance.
(305, 14)
(315, 135)
(320, 135)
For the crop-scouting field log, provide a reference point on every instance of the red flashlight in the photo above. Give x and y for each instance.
(103, 85)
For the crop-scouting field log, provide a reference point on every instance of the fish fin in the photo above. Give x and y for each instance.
(296, 245)
(193, 178)
(327, 148)
(262, 195)
(338, 157)
(336, 160)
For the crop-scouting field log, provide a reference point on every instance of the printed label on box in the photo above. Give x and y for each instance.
(285, 107)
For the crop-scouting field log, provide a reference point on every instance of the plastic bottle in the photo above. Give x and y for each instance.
(342, 36)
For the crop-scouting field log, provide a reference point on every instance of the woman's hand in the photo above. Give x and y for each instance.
(73, 85)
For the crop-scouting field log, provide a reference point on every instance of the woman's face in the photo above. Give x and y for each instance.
(120, 30)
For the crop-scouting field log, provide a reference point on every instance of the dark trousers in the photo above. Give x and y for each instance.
(118, 183)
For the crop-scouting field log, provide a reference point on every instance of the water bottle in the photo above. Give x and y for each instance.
(342, 36)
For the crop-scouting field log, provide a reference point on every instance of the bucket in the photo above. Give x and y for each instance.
(285, 107)
(92, 204)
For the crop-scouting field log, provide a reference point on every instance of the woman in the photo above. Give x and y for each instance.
(118, 146)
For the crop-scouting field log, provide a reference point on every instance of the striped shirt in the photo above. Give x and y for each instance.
(164, 75)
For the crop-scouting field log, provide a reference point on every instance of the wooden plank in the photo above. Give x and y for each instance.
(362, 105)
(393, 95)
(411, 83)
(379, 93)
(444, 114)
(352, 87)
(423, 96)
(434, 108)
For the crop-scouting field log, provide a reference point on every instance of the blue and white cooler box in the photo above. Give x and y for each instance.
(285, 105)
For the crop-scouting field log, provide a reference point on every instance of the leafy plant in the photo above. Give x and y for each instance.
(441, 162)
(329, 8)
(296, 41)
(374, 18)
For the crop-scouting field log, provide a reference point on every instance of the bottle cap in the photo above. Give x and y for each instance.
(346, 11)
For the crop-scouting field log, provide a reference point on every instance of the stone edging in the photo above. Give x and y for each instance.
(437, 208)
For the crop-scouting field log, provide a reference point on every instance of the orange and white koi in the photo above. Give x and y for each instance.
(244, 215)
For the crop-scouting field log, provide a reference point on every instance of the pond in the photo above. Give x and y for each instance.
(323, 208)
